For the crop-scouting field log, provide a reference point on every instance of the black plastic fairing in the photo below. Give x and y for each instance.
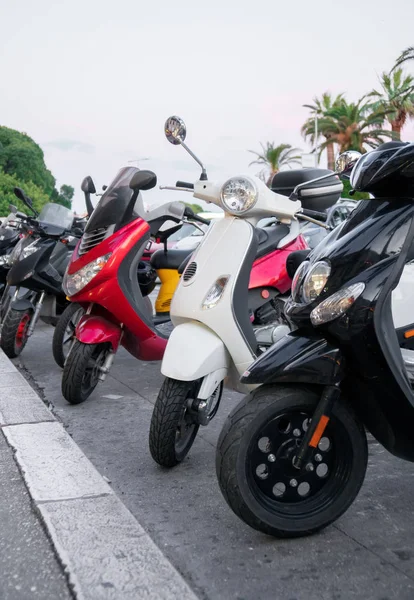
(300, 357)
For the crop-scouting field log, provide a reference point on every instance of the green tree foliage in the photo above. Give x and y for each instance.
(7, 185)
(274, 158)
(407, 54)
(346, 192)
(395, 99)
(22, 157)
(22, 165)
(196, 208)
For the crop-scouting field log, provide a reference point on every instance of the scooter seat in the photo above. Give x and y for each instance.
(269, 238)
(171, 259)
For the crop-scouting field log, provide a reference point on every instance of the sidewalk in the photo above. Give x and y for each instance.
(105, 552)
(28, 565)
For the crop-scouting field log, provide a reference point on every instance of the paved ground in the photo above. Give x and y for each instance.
(28, 565)
(368, 554)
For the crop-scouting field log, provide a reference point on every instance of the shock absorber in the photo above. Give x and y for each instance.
(36, 313)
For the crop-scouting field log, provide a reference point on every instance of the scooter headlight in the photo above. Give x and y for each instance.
(74, 283)
(337, 304)
(215, 292)
(298, 279)
(315, 281)
(238, 195)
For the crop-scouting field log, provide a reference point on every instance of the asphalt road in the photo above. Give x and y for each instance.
(367, 554)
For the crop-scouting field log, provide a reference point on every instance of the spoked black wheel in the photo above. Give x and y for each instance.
(82, 369)
(255, 470)
(63, 335)
(14, 334)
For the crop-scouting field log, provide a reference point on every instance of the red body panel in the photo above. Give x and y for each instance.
(270, 270)
(94, 329)
(104, 291)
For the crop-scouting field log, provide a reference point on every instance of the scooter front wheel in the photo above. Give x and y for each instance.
(65, 331)
(254, 462)
(173, 429)
(82, 370)
(14, 332)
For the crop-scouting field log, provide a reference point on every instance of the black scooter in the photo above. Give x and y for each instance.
(39, 267)
(292, 455)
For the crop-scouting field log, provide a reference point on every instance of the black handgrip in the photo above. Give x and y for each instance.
(314, 214)
(185, 184)
(201, 220)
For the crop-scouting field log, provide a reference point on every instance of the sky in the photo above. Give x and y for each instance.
(93, 81)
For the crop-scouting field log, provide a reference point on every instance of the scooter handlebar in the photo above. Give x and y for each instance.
(314, 214)
(185, 184)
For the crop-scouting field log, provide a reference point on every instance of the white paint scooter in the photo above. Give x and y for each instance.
(213, 338)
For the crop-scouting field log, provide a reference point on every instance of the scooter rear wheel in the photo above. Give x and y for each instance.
(81, 371)
(254, 462)
(173, 430)
(14, 332)
(64, 332)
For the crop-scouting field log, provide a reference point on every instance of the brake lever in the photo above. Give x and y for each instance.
(175, 188)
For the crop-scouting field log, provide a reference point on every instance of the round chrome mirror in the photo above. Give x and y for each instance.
(347, 161)
(175, 130)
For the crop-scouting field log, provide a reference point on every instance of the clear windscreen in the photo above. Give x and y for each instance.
(56, 214)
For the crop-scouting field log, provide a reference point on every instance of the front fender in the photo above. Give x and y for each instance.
(22, 304)
(93, 329)
(193, 351)
(298, 358)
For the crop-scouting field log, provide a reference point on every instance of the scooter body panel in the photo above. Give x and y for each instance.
(201, 352)
(95, 329)
(214, 259)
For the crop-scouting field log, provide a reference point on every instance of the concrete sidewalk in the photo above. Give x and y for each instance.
(105, 553)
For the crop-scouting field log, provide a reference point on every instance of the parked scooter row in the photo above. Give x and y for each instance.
(319, 366)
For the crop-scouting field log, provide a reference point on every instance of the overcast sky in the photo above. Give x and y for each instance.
(92, 81)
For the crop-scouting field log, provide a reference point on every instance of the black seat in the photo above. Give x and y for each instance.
(171, 259)
(270, 237)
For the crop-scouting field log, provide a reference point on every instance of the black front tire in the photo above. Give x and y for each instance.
(172, 431)
(241, 484)
(64, 332)
(14, 332)
(81, 371)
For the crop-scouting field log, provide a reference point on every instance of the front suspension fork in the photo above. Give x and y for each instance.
(38, 308)
(317, 426)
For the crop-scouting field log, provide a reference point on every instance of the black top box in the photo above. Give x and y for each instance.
(319, 195)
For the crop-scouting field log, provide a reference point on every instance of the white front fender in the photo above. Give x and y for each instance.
(193, 351)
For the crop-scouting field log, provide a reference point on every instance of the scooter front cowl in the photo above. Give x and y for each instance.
(298, 357)
(94, 329)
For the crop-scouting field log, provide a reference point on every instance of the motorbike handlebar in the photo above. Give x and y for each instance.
(190, 214)
(185, 184)
(314, 214)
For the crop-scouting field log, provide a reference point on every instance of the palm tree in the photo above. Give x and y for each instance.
(407, 54)
(319, 108)
(396, 99)
(354, 125)
(274, 158)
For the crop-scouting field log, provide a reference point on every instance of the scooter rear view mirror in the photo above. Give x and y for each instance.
(88, 186)
(143, 180)
(175, 131)
(346, 162)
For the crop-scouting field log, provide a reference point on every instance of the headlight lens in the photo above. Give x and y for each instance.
(238, 195)
(315, 281)
(72, 284)
(298, 278)
(336, 305)
(215, 292)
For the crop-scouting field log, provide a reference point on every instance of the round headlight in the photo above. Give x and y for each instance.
(298, 278)
(238, 195)
(315, 281)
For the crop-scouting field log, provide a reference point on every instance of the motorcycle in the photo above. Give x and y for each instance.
(228, 306)
(108, 279)
(292, 456)
(39, 262)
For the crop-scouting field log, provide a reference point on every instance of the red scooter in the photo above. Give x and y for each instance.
(102, 278)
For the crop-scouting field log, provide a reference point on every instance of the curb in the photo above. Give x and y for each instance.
(105, 552)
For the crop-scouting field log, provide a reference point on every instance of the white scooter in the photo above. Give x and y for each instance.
(213, 338)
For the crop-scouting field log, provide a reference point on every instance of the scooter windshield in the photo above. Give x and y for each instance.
(113, 204)
(56, 214)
